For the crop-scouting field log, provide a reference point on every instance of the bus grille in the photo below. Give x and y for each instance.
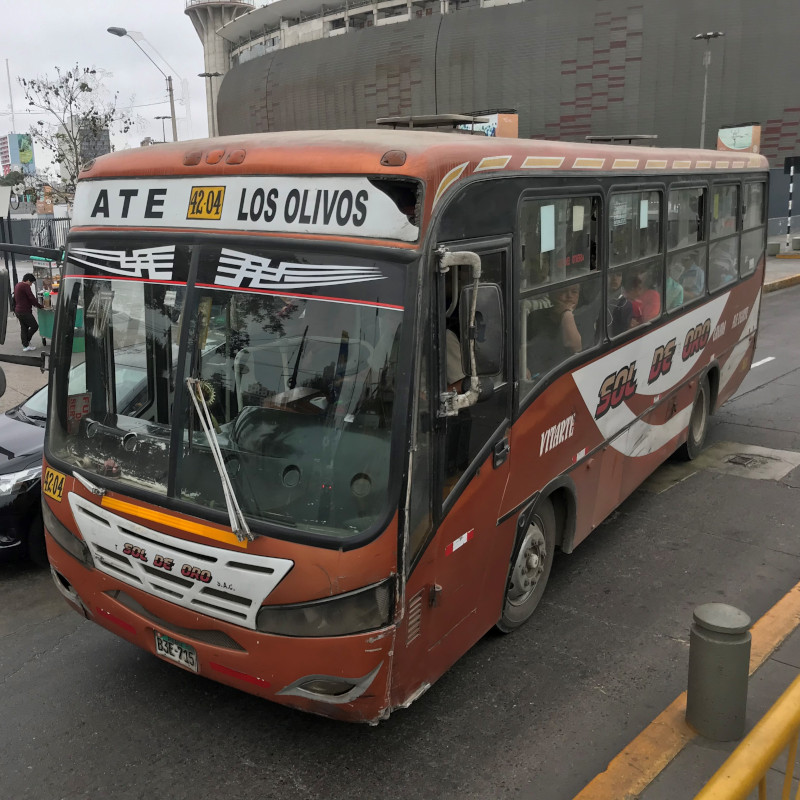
(224, 584)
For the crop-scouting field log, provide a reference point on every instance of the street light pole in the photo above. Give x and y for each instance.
(706, 62)
(124, 32)
(209, 76)
(162, 118)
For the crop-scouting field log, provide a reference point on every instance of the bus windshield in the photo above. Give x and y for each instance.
(296, 358)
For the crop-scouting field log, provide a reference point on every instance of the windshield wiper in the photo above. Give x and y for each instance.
(293, 377)
(237, 520)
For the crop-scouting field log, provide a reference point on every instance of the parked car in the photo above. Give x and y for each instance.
(21, 445)
(21, 449)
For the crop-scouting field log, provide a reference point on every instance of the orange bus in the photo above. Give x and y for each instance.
(324, 404)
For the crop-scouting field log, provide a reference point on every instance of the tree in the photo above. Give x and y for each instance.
(74, 99)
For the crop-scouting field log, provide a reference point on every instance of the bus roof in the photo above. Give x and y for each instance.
(428, 155)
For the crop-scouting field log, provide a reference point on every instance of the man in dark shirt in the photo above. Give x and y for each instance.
(24, 301)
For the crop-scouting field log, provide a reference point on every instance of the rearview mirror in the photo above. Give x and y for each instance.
(5, 304)
(489, 329)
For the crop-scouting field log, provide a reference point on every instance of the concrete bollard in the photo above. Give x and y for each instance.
(795, 242)
(719, 664)
(773, 248)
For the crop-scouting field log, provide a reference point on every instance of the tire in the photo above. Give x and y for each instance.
(698, 422)
(37, 550)
(530, 568)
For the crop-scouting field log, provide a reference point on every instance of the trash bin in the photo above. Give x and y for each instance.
(45, 319)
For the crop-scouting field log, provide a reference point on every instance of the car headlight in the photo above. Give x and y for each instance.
(355, 612)
(13, 482)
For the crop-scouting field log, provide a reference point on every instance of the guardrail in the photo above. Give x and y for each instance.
(748, 765)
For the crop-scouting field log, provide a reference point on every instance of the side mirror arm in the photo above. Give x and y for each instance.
(450, 403)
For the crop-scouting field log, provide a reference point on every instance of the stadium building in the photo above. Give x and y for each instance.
(570, 69)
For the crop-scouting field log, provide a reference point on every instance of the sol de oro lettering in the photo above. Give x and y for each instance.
(306, 207)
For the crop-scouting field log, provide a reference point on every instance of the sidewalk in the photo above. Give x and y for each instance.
(689, 771)
(22, 379)
(782, 270)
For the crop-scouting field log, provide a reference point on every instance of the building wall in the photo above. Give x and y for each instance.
(16, 154)
(571, 68)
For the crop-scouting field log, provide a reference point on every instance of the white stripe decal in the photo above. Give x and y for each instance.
(589, 163)
(542, 162)
(449, 180)
(619, 425)
(493, 162)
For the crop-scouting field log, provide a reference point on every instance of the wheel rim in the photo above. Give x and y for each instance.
(528, 567)
(698, 421)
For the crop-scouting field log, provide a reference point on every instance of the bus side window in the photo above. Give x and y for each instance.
(562, 316)
(635, 282)
(753, 228)
(723, 254)
(686, 262)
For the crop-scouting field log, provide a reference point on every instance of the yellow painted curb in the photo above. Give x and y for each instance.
(782, 283)
(631, 771)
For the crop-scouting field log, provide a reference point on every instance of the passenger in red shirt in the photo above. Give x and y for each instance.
(645, 302)
(24, 301)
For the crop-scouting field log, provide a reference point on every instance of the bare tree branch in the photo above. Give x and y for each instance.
(73, 101)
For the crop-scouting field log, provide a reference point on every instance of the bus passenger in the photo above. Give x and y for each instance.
(674, 288)
(645, 301)
(554, 334)
(693, 279)
(620, 310)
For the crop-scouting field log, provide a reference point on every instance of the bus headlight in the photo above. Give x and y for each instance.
(355, 612)
(72, 544)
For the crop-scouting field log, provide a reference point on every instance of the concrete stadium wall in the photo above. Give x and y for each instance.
(571, 68)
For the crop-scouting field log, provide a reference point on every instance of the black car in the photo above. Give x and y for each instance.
(21, 445)
(21, 450)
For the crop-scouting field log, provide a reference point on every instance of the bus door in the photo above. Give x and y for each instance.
(473, 458)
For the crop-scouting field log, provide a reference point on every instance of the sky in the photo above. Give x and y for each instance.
(38, 35)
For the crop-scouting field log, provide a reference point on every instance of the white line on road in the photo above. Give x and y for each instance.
(763, 361)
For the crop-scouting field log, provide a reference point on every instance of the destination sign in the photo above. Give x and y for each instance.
(337, 206)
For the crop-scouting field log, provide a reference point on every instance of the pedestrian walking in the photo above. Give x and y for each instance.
(24, 301)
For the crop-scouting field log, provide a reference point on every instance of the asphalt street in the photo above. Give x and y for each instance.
(532, 715)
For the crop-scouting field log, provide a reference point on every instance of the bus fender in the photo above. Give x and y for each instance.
(561, 492)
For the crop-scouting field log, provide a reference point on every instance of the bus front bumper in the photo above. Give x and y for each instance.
(343, 677)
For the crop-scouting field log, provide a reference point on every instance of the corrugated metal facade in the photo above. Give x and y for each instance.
(570, 68)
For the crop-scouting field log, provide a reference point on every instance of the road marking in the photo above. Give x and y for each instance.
(763, 361)
(631, 771)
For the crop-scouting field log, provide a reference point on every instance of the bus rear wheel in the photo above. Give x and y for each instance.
(698, 422)
(530, 568)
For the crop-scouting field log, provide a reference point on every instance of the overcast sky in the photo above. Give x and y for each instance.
(38, 35)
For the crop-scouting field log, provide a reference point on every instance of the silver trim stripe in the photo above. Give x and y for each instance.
(238, 585)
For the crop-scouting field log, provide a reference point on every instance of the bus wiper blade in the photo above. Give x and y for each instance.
(237, 520)
(293, 377)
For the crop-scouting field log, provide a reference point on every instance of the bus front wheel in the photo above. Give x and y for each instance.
(698, 422)
(530, 568)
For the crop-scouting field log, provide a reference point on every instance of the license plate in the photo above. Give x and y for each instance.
(53, 485)
(183, 654)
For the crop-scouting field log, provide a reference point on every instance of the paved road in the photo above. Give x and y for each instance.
(533, 715)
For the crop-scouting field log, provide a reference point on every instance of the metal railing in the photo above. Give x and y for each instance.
(190, 3)
(748, 765)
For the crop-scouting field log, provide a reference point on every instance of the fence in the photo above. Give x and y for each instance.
(36, 231)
